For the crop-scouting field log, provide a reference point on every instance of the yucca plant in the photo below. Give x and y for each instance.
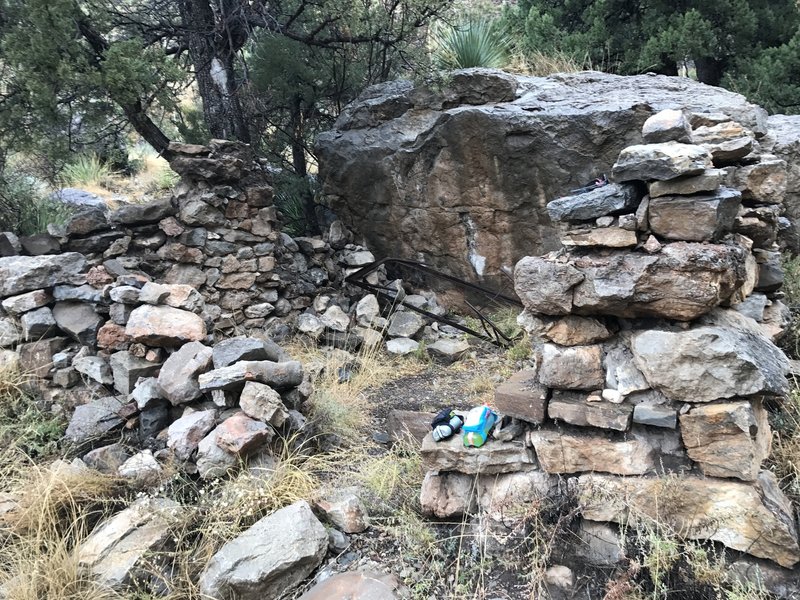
(87, 169)
(476, 43)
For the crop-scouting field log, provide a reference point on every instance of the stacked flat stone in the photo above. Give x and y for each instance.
(654, 335)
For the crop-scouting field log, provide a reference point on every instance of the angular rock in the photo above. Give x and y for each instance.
(141, 214)
(310, 325)
(448, 350)
(127, 369)
(279, 375)
(262, 403)
(401, 346)
(730, 439)
(605, 200)
(270, 558)
(574, 368)
(37, 324)
(708, 181)
(730, 151)
(753, 518)
(683, 281)
(20, 274)
(95, 368)
(660, 161)
(655, 415)
(667, 126)
(522, 397)
(9, 244)
(405, 324)
(92, 421)
(573, 408)
(185, 434)
(16, 305)
(153, 293)
(40, 244)
(36, 358)
(213, 461)
(178, 378)
(600, 544)
(568, 453)
(710, 363)
(10, 335)
(576, 331)
(356, 585)
(336, 319)
(764, 182)
(164, 326)
(142, 466)
(112, 337)
(492, 457)
(240, 435)
(447, 495)
(367, 310)
(78, 320)
(147, 393)
(107, 459)
(696, 218)
(117, 553)
(344, 509)
(239, 348)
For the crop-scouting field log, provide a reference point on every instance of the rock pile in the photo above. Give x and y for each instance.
(653, 338)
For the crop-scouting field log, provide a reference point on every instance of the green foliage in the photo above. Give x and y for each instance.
(749, 45)
(476, 43)
(293, 197)
(24, 207)
(166, 179)
(86, 169)
(22, 424)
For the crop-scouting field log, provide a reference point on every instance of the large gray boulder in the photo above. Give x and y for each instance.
(711, 362)
(270, 558)
(177, 379)
(20, 274)
(461, 180)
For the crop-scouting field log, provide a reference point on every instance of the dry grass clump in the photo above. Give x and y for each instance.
(785, 457)
(541, 64)
(339, 406)
(54, 510)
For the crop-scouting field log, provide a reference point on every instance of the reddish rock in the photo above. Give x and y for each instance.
(97, 277)
(242, 435)
(113, 337)
(522, 397)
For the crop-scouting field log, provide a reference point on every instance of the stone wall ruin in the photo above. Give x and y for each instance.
(653, 331)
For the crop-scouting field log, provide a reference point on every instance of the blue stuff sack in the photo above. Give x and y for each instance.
(477, 425)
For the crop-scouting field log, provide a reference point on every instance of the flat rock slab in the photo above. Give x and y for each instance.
(683, 281)
(493, 457)
(708, 181)
(20, 274)
(270, 558)
(279, 375)
(116, 552)
(753, 518)
(567, 453)
(405, 424)
(668, 160)
(606, 200)
(573, 408)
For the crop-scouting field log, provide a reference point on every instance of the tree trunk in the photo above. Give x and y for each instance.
(213, 48)
(709, 70)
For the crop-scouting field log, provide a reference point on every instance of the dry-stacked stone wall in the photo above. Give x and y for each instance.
(654, 331)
